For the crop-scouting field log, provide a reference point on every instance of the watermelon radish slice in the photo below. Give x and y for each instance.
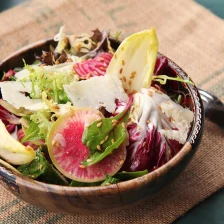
(93, 67)
(67, 150)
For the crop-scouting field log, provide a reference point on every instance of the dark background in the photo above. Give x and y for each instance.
(210, 211)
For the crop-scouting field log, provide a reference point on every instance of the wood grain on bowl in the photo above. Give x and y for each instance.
(102, 199)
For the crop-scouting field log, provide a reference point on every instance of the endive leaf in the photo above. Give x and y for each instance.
(13, 151)
(134, 60)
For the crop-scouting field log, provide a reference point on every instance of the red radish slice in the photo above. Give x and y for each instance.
(67, 150)
(93, 67)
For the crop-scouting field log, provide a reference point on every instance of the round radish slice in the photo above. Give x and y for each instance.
(67, 150)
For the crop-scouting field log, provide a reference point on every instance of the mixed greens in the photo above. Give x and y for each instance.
(86, 114)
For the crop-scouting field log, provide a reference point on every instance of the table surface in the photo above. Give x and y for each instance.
(211, 210)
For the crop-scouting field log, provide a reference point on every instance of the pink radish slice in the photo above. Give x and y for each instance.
(93, 67)
(67, 150)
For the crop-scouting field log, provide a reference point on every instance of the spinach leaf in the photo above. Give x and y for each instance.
(103, 136)
(37, 167)
(110, 180)
(52, 176)
(118, 177)
(40, 169)
(122, 176)
(130, 175)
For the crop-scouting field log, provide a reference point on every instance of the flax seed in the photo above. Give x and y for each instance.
(57, 62)
(158, 91)
(99, 124)
(121, 162)
(43, 65)
(69, 60)
(114, 121)
(88, 76)
(89, 160)
(123, 63)
(133, 75)
(139, 127)
(55, 106)
(82, 166)
(53, 143)
(112, 140)
(106, 138)
(44, 54)
(148, 121)
(121, 70)
(129, 82)
(150, 94)
(115, 56)
(124, 78)
(123, 125)
(98, 147)
(101, 59)
(102, 68)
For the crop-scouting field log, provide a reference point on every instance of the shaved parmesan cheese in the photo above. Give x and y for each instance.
(181, 118)
(22, 74)
(96, 92)
(13, 93)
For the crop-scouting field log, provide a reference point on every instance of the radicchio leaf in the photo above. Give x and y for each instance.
(7, 116)
(161, 65)
(8, 75)
(149, 147)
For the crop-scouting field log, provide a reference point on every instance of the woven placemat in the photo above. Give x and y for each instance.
(188, 34)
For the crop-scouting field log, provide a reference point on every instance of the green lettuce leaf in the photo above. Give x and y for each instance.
(50, 79)
(42, 120)
(32, 134)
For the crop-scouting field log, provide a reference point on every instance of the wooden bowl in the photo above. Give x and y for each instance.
(102, 199)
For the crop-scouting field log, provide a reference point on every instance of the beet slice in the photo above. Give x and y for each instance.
(67, 150)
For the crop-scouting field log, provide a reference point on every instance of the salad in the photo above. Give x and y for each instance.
(86, 114)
